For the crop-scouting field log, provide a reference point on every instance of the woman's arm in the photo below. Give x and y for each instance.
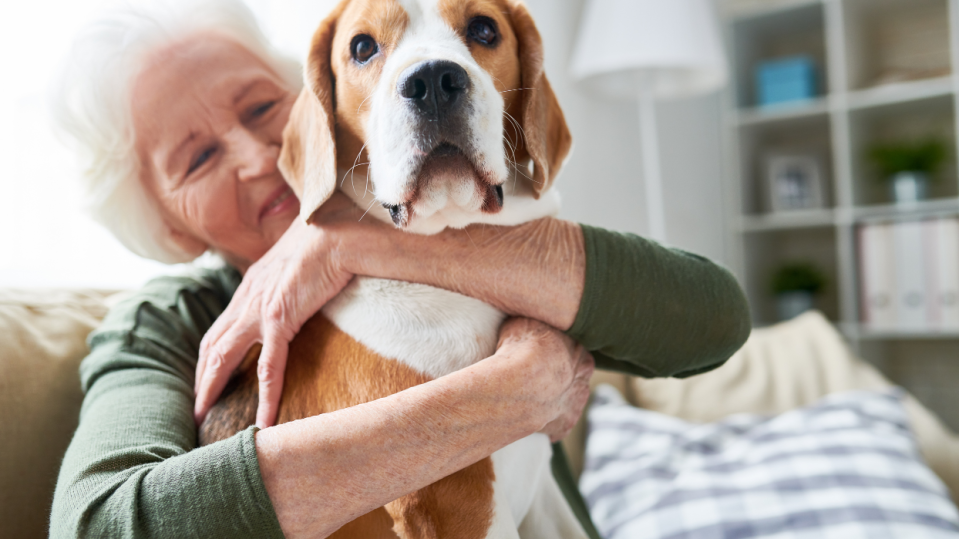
(132, 470)
(637, 306)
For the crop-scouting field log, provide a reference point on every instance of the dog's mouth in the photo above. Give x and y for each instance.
(448, 168)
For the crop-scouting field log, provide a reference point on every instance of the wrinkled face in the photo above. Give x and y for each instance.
(209, 116)
(421, 90)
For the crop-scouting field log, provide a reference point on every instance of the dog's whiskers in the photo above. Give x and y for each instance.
(352, 171)
(471, 238)
(363, 103)
(367, 209)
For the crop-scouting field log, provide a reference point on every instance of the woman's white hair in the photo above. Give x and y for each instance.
(91, 103)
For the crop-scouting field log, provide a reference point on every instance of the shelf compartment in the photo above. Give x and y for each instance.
(927, 367)
(748, 9)
(788, 220)
(786, 112)
(778, 33)
(866, 334)
(928, 209)
(767, 251)
(902, 92)
(889, 41)
(901, 121)
(803, 135)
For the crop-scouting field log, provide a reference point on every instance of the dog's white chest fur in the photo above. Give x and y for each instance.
(434, 331)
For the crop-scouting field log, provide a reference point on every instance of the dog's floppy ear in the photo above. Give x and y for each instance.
(548, 139)
(308, 157)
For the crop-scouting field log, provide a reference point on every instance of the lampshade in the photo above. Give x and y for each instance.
(671, 45)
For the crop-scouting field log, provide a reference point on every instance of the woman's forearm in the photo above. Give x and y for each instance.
(536, 270)
(327, 470)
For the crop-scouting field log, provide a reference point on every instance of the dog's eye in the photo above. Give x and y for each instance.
(363, 48)
(483, 30)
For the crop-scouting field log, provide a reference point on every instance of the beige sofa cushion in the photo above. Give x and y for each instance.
(44, 340)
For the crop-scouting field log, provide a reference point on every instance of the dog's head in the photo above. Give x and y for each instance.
(437, 103)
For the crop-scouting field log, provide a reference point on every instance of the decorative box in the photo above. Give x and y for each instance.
(785, 80)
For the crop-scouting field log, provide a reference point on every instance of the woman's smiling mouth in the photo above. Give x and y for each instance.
(280, 202)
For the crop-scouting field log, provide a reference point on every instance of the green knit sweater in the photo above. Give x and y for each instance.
(133, 469)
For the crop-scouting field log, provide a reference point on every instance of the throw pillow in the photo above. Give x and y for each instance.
(845, 467)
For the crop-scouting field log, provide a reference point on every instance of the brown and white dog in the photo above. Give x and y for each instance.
(428, 113)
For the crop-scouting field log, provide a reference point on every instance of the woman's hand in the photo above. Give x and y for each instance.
(279, 293)
(558, 367)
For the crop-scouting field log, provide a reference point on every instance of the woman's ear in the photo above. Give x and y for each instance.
(308, 157)
(548, 139)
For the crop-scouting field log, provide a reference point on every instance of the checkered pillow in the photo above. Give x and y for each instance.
(846, 467)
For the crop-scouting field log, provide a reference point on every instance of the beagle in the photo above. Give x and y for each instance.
(431, 114)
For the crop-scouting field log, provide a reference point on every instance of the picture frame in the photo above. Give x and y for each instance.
(795, 182)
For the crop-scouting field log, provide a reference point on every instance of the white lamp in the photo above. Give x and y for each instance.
(650, 49)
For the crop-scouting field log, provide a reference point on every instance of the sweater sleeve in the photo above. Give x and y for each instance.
(657, 312)
(132, 469)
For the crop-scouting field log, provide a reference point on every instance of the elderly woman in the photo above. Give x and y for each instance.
(178, 111)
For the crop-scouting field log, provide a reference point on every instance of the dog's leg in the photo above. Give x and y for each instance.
(550, 516)
(520, 467)
(459, 506)
(536, 501)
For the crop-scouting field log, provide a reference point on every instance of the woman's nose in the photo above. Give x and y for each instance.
(255, 156)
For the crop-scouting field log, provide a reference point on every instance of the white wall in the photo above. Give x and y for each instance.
(45, 240)
(602, 184)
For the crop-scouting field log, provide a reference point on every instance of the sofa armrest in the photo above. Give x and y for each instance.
(44, 340)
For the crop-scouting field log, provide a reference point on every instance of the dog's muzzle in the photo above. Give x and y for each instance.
(437, 94)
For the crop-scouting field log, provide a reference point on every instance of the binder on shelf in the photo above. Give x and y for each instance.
(877, 266)
(944, 281)
(912, 301)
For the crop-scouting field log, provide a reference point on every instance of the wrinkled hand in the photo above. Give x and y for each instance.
(279, 293)
(559, 371)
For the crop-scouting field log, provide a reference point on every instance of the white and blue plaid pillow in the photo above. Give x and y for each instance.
(846, 467)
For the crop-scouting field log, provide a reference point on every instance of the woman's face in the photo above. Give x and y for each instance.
(209, 116)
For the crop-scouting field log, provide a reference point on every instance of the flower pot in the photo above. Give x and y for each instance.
(909, 187)
(792, 304)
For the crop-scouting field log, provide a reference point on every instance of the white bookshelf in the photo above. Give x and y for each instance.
(852, 41)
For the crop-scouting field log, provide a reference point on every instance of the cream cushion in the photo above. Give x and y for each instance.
(44, 340)
(781, 368)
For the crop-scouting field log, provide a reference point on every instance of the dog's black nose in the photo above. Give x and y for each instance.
(435, 88)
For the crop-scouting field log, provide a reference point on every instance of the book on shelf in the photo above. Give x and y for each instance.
(912, 305)
(876, 263)
(910, 275)
(945, 249)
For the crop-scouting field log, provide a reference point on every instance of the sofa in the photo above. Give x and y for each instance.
(780, 368)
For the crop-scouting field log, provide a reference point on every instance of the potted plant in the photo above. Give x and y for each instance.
(795, 286)
(909, 167)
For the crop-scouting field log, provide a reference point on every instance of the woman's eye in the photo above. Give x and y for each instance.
(483, 30)
(198, 161)
(363, 48)
(262, 109)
